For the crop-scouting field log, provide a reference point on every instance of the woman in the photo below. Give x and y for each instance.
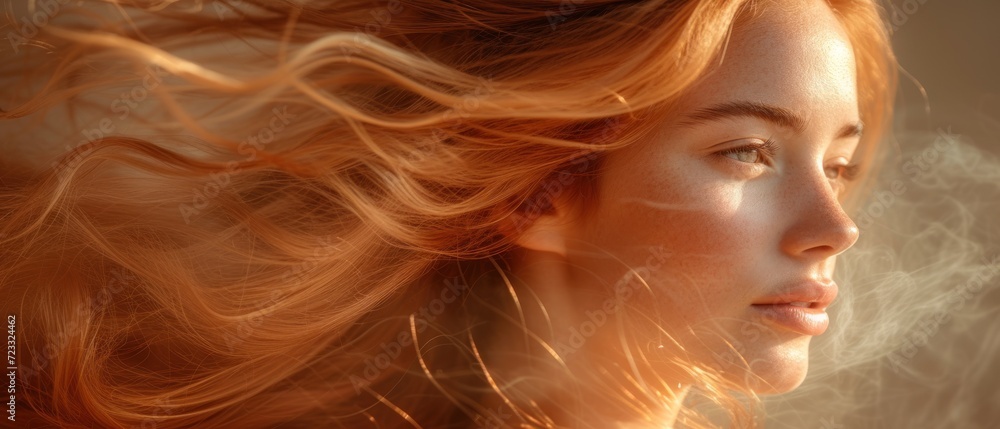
(426, 214)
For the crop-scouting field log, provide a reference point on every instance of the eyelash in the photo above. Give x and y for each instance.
(768, 149)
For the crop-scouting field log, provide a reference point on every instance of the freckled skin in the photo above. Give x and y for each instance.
(735, 231)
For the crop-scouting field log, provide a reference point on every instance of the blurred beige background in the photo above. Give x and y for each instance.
(950, 48)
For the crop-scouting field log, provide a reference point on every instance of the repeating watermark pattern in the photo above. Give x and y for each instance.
(424, 149)
(830, 423)
(123, 105)
(328, 247)
(915, 168)
(566, 8)
(461, 110)
(42, 13)
(623, 290)
(902, 13)
(929, 326)
(381, 18)
(85, 310)
(750, 332)
(540, 202)
(163, 406)
(200, 197)
(574, 340)
(224, 8)
(373, 366)
(493, 420)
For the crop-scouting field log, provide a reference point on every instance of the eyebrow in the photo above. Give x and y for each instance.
(774, 114)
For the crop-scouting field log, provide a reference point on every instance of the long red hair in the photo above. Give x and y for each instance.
(251, 207)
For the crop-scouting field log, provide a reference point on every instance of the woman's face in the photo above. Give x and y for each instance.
(735, 227)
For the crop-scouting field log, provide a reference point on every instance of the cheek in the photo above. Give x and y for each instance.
(712, 230)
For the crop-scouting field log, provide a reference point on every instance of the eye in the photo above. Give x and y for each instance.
(753, 153)
(846, 172)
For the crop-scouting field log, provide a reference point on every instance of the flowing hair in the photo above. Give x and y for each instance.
(277, 213)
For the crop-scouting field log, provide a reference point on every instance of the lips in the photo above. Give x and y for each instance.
(809, 293)
(803, 320)
(800, 307)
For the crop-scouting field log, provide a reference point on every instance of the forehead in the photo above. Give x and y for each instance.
(796, 56)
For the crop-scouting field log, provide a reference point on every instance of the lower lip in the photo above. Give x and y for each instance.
(807, 321)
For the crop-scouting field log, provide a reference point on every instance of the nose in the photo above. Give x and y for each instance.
(819, 227)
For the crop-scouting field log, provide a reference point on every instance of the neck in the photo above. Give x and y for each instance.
(550, 301)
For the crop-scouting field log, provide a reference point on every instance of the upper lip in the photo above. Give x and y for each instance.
(819, 294)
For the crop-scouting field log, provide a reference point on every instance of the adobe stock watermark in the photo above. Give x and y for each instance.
(31, 25)
(381, 18)
(750, 332)
(830, 423)
(538, 204)
(493, 419)
(95, 304)
(735, 356)
(12, 362)
(566, 8)
(201, 197)
(224, 8)
(373, 366)
(461, 111)
(162, 406)
(248, 324)
(623, 290)
(915, 168)
(929, 326)
(470, 103)
(902, 13)
(126, 102)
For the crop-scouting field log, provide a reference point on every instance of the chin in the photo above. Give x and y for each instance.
(778, 367)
